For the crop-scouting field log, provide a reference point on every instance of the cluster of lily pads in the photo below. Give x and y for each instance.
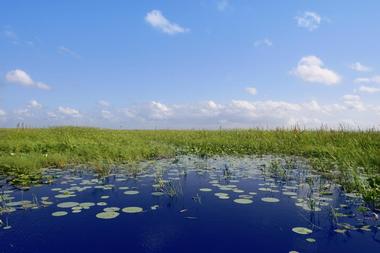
(278, 180)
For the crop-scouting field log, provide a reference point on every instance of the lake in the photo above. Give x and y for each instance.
(187, 204)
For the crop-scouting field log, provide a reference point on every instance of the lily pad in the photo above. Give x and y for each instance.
(205, 189)
(86, 205)
(131, 192)
(132, 209)
(67, 204)
(243, 201)
(59, 213)
(302, 230)
(312, 240)
(107, 215)
(270, 200)
(111, 209)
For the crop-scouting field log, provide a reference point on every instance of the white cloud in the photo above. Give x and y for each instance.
(106, 114)
(103, 103)
(373, 79)
(30, 111)
(69, 111)
(251, 90)
(222, 5)
(159, 110)
(34, 104)
(12, 37)
(68, 51)
(351, 110)
(369, 89)
(21, 77)
(309, 20)
(263, 42)
(353, 102)
(158, 21)
(243, 105)
(51, 114)
(10, 34)
(311, 69)
(2, 113)
(357, 66)
(212, 105)
(24, 112)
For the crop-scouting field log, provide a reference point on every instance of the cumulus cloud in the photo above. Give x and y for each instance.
(351, 110)
(68, 111)
(309, 20)
(263, 42)
(19, 76)
(159, 110)
(311, 69)
(251, 90)
(373, 79)
(369, 89)
(243, 105)
(156, 19)
(31, 110)
(34, 104)
(357, 66)
(353, 102)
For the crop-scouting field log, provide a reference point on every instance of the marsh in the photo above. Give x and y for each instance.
(187, 204)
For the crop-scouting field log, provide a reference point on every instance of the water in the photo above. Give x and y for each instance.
(187, 217)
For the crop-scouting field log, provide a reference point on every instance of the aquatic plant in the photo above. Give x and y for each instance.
(350, 158)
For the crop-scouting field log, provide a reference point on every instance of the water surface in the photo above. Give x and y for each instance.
(188, 204)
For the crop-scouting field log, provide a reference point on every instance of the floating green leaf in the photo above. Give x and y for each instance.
(59, 213)
(132, 209)
(107, 215)
(302, 230)
(243, 201)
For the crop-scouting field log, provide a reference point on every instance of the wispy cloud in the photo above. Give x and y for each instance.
(264, 42)
(373, 79)
(309, 20)
(2, 113)
(103, 103)
(67, 51)
(311, 69)
(251, 90)
(12, 36)
(369, 89)
(68, 111)
(222, 5)
(156, 19)
(357, 66)
(19, 76)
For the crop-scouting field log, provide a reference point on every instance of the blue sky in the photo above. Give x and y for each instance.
(190, 64)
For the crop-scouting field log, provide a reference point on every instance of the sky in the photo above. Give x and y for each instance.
(191, 64)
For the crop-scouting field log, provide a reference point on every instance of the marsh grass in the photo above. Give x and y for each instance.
(351, 158)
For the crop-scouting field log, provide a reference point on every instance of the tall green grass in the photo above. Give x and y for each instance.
(352, 158)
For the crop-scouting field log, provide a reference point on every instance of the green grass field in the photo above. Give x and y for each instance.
(351, 158)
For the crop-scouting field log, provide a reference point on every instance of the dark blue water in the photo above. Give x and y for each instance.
(190, 220)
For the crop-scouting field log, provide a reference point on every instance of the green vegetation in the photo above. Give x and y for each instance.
(351, 158)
